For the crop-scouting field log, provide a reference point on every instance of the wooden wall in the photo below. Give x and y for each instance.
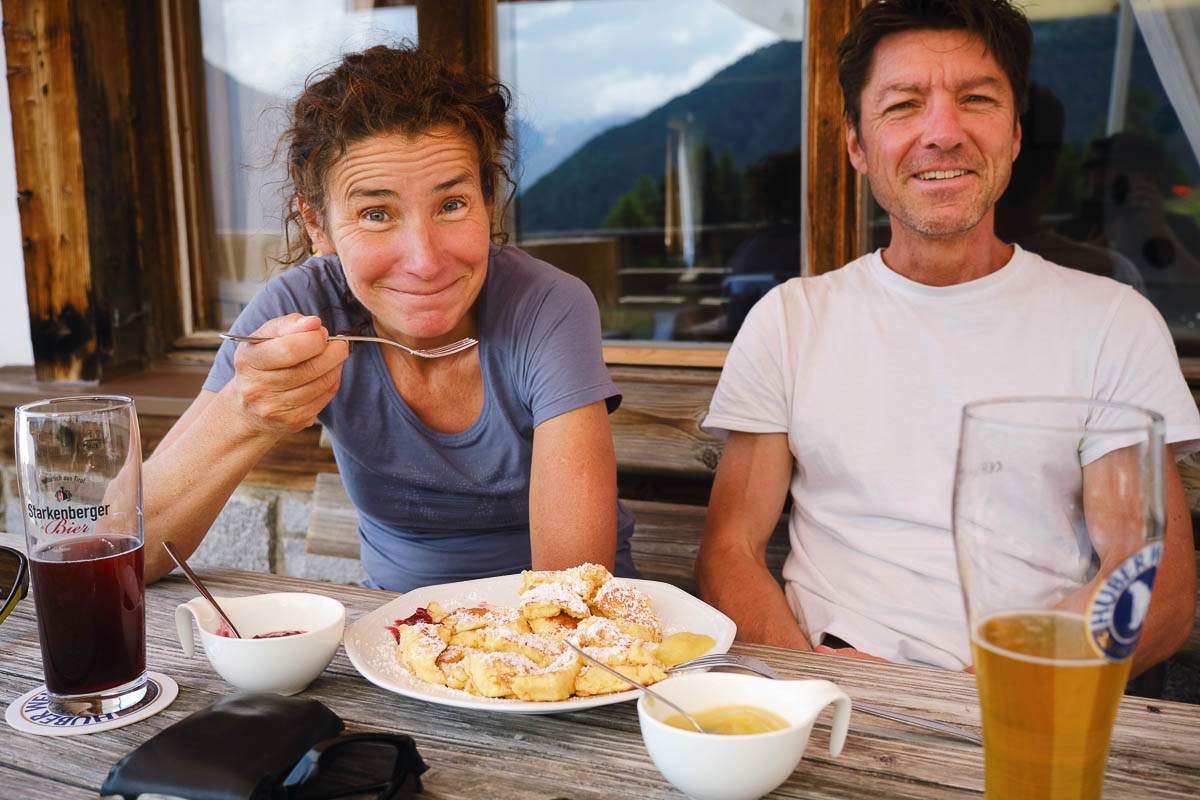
(91, 153)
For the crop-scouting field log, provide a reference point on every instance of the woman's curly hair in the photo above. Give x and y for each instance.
(382, 91)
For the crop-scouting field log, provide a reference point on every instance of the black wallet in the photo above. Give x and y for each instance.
(239, 748)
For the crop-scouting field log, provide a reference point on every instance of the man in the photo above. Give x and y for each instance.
(847, 388)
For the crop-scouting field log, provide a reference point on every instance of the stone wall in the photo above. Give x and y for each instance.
(260, 529)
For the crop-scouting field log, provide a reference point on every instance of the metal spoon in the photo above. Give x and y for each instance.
(191, 576)
(636, 685)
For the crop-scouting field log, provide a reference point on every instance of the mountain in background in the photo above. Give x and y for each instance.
(542, 151)
(750, 109)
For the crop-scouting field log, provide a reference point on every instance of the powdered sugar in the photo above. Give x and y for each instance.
(372, 649)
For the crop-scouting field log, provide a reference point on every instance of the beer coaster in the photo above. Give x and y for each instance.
(29, 712)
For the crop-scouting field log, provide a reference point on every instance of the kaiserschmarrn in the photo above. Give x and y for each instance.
(494, 651)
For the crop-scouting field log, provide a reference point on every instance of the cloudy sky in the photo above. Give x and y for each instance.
(567, 61)
(574, 61)
(575, 67)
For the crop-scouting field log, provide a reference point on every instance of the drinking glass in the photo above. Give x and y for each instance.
(79, 469)
(1059, 512)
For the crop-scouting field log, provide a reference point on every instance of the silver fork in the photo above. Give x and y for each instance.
(433, 352)
(753, 664)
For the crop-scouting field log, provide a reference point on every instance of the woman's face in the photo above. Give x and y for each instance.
(407, 217)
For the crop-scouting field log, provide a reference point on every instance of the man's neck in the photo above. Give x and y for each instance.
(945, 261)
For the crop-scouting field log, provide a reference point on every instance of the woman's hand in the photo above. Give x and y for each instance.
(280, 386)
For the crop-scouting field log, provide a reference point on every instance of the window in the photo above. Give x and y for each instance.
(660, 155)
(256, 59)
(658, 140)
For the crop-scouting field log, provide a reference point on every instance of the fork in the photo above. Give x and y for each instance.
(433, 352)
(753, 664)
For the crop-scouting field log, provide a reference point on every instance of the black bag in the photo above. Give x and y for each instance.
(239, 748)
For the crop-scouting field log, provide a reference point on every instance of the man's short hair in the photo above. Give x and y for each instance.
(1003, 28)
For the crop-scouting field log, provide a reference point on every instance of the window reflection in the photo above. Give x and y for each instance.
(659, 147)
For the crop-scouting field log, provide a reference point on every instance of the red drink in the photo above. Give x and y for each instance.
(91, 612)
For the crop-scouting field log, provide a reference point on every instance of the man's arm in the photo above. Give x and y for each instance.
(1173, 601)
(747, 498)
(573, 490)
(1172, 608)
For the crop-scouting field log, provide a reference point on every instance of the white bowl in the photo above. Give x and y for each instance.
(285, 664)
(736, 767)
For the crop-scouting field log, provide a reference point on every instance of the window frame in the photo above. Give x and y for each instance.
(179, 299)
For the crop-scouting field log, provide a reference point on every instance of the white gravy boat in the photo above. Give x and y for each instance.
(737, 767)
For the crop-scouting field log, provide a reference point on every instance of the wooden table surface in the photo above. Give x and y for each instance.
(596, 753)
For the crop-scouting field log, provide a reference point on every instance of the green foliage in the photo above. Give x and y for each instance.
(640, 207)
(723, 193)
(629, 212)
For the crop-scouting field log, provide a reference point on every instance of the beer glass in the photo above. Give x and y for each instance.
(1059, 512)
(79, 469)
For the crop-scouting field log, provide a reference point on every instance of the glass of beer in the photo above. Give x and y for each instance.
(1059, 512)
(79, 469)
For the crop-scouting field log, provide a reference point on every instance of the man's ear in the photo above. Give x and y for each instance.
(1017, 141)
(858, 155)
(312, 226)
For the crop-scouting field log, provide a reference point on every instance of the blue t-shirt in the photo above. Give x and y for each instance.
(436, 507)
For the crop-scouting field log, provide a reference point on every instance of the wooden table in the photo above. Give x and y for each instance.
(596, 753)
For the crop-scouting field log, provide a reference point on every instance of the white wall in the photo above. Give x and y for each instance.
(15, 347)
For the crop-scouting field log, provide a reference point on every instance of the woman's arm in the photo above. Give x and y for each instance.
(573, 490)
(278, 388)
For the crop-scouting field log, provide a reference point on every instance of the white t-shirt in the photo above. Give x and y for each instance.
(867, 372)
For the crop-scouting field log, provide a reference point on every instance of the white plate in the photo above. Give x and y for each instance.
(372, 647)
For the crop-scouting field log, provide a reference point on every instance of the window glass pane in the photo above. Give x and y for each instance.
(1098, 190)
(256, 58)
(659, 146)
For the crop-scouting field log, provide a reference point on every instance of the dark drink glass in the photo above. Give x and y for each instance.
(91, 603)
(79, 471)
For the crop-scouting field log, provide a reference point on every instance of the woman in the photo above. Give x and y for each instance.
(492, 460)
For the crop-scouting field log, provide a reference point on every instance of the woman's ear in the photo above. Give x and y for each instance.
(312, 226)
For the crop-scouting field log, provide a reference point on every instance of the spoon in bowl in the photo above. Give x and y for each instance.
(636, 685)
(191, 576)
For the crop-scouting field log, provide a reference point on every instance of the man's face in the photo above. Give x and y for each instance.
(937, 134)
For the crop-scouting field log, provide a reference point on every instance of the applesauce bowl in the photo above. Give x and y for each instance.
(282, 664)
(709, 766)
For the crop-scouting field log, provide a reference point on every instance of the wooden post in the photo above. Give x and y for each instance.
(462, 31)
(85, 88)
(41, 85)
(833, 192)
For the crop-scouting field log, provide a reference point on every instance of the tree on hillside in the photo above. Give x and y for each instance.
(640, 207)
(723, 188)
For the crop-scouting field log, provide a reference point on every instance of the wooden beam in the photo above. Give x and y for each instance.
(462, 31)
(656, 429)
(85, 88)
(49, 161)
(833, 190)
